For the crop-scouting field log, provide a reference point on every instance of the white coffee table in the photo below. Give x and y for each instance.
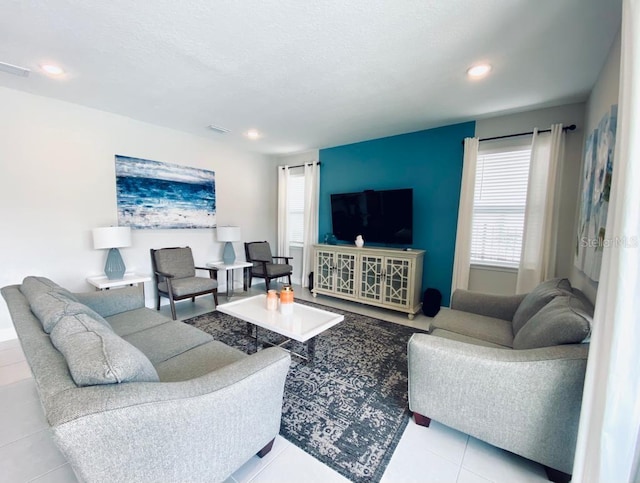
(302, 325)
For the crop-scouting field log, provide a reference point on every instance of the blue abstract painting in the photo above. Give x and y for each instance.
(152, 194)
(596, 187)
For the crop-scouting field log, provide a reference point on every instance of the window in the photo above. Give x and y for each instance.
(498, 207)
(295, 209)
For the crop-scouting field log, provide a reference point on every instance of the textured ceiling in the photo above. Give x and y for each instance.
(308, 74)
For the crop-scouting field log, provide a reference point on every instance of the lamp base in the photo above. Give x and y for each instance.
(114, 268)
(228, 255)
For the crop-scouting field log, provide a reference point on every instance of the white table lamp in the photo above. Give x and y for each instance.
(112, 237)
(228, 234)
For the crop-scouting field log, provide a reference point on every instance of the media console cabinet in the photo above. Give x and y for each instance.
(385, 277)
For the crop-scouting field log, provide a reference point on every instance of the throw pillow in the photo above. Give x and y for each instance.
(96, 355)
(564, 320)
(50, 307)
(538, 298)
(33, 286)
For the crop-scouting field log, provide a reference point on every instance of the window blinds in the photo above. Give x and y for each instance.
(499, 206)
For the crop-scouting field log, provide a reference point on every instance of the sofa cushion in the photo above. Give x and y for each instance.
(198, 361)
(466, 339)
(538, 298)
(96, 355)
(190, 285)
(51, 306)
(489, 329)
(564, 320)
(131, 321)
(273, 269)
(165, 341)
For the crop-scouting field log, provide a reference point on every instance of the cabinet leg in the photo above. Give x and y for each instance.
(411, 316)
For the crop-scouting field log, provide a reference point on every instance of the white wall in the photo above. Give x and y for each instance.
(603, 95)
(57, 182)
(503, 282)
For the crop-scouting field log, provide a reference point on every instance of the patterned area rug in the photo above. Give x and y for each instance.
(350, 408)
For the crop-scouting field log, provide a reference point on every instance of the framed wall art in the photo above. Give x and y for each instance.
(594, 202)
(151, 194)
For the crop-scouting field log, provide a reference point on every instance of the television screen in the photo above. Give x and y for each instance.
(379, 216)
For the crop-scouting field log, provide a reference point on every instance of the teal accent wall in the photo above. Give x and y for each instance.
(428, 161)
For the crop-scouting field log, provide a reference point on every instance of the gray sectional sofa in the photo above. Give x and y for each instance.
(131, 395)
(508, 370)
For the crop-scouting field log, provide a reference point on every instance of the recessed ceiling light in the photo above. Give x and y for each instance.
(52, 69)
(253, 134)
(478, 71)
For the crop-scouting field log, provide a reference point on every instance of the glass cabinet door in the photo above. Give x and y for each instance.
(396, 286)
(323, 277)
(371, 277)
(345, 269)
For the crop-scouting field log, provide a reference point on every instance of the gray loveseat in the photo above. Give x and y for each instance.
(508, 370)
(131, 395)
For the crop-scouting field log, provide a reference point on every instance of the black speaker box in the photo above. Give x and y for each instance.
(431, 302)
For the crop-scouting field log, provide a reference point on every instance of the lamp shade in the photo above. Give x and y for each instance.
(228, 233)
(111, 237)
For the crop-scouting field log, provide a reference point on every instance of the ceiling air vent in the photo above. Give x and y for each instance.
(14, 69)
(219, 130)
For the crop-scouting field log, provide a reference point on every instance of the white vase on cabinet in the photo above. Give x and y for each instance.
(359, 241)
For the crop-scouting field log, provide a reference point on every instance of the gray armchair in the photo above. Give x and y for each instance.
(175, 274)
(507, 370)
(264, 264)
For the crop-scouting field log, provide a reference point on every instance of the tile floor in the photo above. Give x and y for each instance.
(435, 454)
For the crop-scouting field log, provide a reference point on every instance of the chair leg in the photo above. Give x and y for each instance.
(266, 282)
(289, 277)
(215, 297)
(158, 303)
(173, 308)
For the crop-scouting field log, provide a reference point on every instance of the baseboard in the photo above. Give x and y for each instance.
(8, 334)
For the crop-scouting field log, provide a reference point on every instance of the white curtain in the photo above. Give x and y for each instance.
(609, 433)
(462, 257)
(539, 237)
(311, 207)
(283, 229)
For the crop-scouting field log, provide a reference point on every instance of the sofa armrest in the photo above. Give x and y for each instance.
(202, 429)
(111, 302)
(525, 401)
(498, 306)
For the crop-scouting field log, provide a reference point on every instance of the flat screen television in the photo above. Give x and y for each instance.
(384, 216)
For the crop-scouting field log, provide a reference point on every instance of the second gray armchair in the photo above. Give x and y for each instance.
(266, 265)
(175, 275)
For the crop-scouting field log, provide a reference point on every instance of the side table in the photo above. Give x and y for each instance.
(219, 266)
(101, 282)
